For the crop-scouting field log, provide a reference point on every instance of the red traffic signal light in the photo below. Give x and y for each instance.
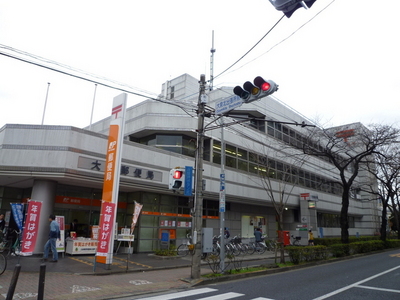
(177, 174)
(267, 86)
(251, 92)
(176, 179)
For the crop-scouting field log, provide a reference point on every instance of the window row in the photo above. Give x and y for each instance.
(332, 220)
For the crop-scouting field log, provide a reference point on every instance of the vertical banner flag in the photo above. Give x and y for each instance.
(31, 228)
(60, 244)
(17, 209)
(111, 180)
(138, 208)
(106, 228)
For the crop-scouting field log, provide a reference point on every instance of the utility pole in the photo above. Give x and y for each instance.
(198, 196)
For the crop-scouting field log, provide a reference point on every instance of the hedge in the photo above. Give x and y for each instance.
(298, 254)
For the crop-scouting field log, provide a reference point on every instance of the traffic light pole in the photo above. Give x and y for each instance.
(198, 196)
(222, 201)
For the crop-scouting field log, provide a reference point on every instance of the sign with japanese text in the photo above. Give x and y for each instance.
(225, 105)
(60, 243)
(31, 228)
(111, 180)
(18, 215)
(138, 208)
(106, 229)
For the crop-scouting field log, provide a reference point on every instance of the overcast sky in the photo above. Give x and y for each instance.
(340, 66)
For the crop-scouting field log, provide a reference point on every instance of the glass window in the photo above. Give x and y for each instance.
(148, 221)
(216, 146)
(216, 158)
(230, 150)
(230, 161)
(169, 140)
(253, 168)
(242, 165)
(242, 154)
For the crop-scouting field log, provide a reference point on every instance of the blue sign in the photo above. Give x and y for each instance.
(188, 181)
(17, 209)
(222, 182)
(227, 104)
(164, 236)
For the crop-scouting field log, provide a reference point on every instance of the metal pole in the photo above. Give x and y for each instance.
(198, 194)
(222, 201)
(94, 98)
(45, 102)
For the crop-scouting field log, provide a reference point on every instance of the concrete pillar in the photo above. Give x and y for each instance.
(45, 191)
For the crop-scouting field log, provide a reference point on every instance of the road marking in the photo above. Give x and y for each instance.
(22, 295)
(354, 284)
(132, 262)
(81, 260)
(395, 255)
(80, 289)
(182, 294)
(378, 289)
(223, 296)
(139, 282)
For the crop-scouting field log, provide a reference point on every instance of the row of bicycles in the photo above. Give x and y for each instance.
(235, 246)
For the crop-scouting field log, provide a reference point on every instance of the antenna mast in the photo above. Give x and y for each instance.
(212, 63)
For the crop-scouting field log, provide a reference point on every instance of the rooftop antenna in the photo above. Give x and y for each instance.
(212, 63)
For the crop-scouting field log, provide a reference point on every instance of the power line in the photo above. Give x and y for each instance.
(250, 48)
(277, 44)
(97, 79)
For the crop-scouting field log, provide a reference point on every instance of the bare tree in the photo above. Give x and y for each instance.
(279, 179)
(386, 170)
(349, 148)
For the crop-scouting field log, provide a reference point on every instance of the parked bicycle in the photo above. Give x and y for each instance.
(259, 247)
(3, 263)
(9, 247)
(296, 240)
(3, 259)
(271, 245)
(238, 247)
(187, 247)
(217, 246)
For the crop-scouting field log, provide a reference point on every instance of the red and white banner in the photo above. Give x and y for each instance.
(111, 180)
(60, 243)
(31, 227)
(106, 228)
(138, 208)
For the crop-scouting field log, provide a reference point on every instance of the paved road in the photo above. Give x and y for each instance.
(372, 277)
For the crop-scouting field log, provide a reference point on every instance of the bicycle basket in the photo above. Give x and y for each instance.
(191, 247)
(298, 238)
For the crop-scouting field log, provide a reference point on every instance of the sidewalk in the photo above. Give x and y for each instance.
(78, 277)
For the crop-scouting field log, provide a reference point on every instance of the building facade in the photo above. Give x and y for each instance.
(64, 167)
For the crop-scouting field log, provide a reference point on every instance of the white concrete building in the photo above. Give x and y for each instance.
(64, 167)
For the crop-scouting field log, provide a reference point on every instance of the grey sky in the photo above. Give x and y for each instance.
(340, 67)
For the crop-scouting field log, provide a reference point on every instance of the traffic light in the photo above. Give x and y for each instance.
(288, 7)
(251, 92)
(176, 179)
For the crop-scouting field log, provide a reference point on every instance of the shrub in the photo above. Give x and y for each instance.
(171, 251)
(392, 244)
(294, 254)
(340, 250)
